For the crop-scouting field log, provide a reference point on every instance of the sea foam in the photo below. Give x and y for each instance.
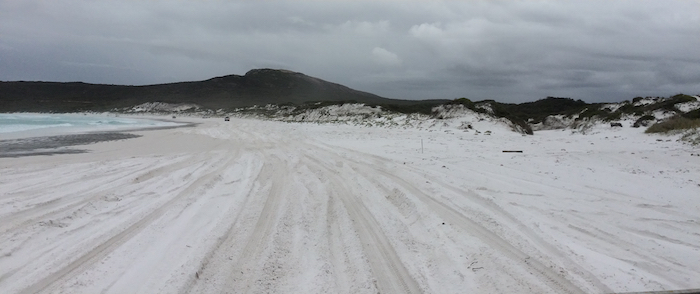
(17, 125)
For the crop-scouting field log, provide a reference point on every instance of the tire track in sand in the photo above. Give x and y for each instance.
(102, 250)
(525, 231)
(391, 274)
(60, 205)
(546, 274)
(551, 278)
(218, 256)
(492, 207)
(276, 177)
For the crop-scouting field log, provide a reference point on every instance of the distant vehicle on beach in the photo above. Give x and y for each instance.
(226, 118)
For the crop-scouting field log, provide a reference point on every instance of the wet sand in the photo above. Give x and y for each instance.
(51, 145)
(64, 144)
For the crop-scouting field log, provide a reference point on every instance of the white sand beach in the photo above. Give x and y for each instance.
(250, 206)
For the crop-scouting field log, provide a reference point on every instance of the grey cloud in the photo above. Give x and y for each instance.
(505, 50)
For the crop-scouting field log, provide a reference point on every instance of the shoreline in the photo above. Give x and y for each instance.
(125, 123)
(60, 144)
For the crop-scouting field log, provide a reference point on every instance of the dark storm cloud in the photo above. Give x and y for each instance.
(510, 51)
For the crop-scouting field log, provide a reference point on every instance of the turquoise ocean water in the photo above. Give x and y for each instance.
(29, 125)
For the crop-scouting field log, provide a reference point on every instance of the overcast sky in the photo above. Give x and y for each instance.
(510, 51)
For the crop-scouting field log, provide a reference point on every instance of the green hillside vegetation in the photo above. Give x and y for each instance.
(695, 114)
(525, 114)
(529, 112)
(643, 121)
(679, 122)
(537, 111)
(676, 123)
(422, 107)
(597, 110)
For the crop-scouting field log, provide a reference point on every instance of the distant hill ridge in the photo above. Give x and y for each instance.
(291, 95)
(256, 87)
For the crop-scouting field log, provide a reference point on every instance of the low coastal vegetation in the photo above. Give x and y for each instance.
(679, 112)
(674, 124)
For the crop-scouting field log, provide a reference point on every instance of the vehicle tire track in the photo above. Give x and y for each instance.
(275, 177)
(217, 252)
(525, 231)
(390, 272)
(552, 279)
(60, 205)
(104, 248)
(34, 180)
(494, 208)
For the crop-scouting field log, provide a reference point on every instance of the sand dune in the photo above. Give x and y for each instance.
(251, 206)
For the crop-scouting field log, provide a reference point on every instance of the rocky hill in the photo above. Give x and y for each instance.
(256, 87)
